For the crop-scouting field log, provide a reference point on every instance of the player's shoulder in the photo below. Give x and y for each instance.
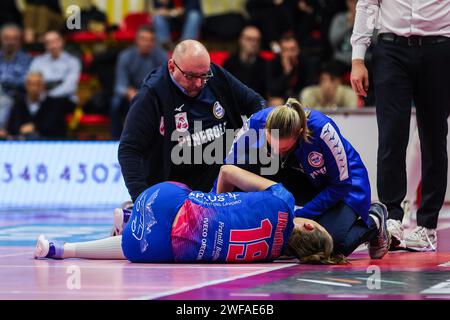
(279, 191)
(258, 119)
(316, 119)
(319, 123)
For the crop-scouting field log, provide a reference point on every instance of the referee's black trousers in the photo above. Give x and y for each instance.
(405, 74)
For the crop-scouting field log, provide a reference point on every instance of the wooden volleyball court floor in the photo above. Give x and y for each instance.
(400, 275)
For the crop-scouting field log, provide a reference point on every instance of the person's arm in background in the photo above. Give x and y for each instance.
(69, 84)
(141, 126)
(26, 63)
(365, 22)
(336, 164)
(231, 177)
(35, 65)
(122, 82)
(338, 30)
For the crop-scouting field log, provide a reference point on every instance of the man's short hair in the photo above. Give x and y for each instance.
(331, 68)
(54, 31)
(10, 26)
(35, 73)
(247, 26)
(288, 36)
(145, 28)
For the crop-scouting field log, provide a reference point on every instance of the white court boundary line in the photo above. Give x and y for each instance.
(249, 294)
(328, 283)
(210, 283)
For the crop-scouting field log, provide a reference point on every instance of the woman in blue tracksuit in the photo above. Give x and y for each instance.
(321, 169)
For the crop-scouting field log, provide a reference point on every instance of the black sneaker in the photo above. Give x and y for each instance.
(379, 245)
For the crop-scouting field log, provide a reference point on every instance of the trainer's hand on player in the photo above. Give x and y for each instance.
(359, 78)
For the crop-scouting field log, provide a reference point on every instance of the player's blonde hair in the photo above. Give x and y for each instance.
(290, 120)
(314, 247)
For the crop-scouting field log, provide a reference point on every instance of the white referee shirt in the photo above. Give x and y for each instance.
(402, 17)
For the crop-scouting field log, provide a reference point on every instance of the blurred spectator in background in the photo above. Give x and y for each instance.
(223, 20)
(9, 13)
(272, 17)
(183, 15)
(61, 70)
(132, 67)
(37, 115)
(340, 33)
(5, 107)
(41, 16)
(246, 64)
(289, 72)
(14, 63)
(329, 93)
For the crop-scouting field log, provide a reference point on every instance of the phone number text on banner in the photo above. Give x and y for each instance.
(64, 174)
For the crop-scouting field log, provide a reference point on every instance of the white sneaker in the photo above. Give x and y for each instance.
(117, 229)
(395, 229)
(42, 247)
(422, 239)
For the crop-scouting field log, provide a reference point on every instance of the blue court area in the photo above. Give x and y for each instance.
(21, 228)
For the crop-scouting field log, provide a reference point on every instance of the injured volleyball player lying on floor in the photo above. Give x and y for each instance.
(171, 223)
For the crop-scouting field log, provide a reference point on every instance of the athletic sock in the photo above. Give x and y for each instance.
(55, 250)
(107, 249)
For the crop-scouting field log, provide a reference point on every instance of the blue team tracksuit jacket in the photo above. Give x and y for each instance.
(330, 163)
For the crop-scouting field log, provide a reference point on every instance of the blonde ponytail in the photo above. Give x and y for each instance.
(290, 120)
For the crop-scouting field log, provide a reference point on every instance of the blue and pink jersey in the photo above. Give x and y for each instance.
(227, 227)
(234, 226)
